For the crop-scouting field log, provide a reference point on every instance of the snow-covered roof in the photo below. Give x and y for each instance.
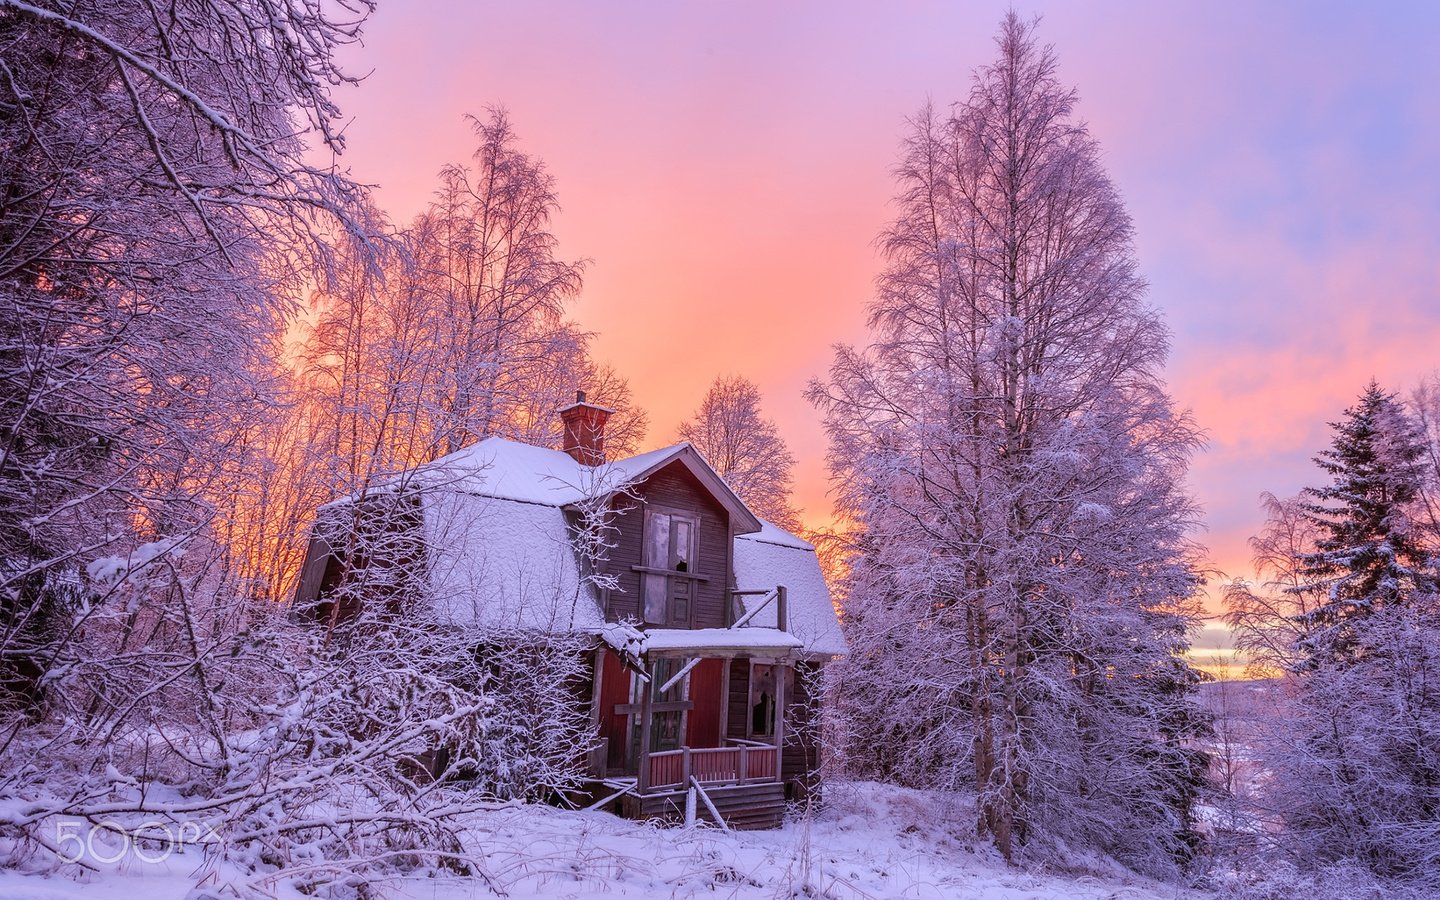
(497, 525)
(510, 470)
(719, 640)
(500, 564)
(774, 556)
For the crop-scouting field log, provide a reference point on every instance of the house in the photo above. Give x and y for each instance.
(709, 625)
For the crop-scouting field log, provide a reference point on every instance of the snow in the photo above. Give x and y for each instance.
(107, 570)
(770, 533)
(774, 557)
(749, 639)
(510, 470)
(502, 564)
(624, 638)
(872, 841)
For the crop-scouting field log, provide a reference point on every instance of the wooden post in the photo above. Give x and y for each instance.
(725, 664)
(780, 669)
(685, 764)
(724, 826)
(782, 609)
(642, 781)
(690, 807)
(744, 771)
(599, 757)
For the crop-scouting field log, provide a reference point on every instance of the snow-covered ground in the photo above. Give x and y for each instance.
(872, 841)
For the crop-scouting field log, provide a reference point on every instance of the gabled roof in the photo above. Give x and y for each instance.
(508, 470)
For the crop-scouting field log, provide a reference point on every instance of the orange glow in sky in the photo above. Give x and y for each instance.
(725, 167)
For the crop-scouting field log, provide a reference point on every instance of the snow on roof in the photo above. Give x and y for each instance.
(510, 470)
(774, 556)
(506, 564)
(501, 554)
(749, 639)
(770, 533)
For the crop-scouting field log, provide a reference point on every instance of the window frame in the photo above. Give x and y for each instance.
(650, 573)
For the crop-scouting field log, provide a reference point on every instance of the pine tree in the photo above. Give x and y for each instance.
(1349, 614)
(1370, 552)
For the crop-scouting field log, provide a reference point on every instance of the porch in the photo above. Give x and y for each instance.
(748, 762)
(700, 709)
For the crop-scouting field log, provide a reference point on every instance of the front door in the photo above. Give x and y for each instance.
(667, 711)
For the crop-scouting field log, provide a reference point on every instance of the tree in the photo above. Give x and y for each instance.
(459, 333)
(1349, 617)
(155, 204)
(745, 448)
(1010, 465)
(1369, 551)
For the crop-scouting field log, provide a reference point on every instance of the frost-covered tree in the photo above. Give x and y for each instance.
(460, 332)
(744, 447)
(1348, 615)
(1370, 551)
(1011, 467)
(155, 200)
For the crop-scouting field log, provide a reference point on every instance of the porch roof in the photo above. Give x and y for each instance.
(722, 641)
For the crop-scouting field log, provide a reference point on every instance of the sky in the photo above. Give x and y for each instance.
(726, 168)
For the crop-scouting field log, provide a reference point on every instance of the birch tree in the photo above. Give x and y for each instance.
(155, 197)
(745, 448)
(1011, 466)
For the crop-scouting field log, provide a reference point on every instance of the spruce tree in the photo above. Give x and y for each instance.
(1370, 553)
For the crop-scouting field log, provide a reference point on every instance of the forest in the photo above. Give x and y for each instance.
(210, 334)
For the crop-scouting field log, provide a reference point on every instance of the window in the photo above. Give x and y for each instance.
(668, 566)
(762, 700)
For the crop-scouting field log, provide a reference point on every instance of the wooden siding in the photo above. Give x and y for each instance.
(739, 699)
(672, 487)
(373, 554)
(614, 691)
(745, 806)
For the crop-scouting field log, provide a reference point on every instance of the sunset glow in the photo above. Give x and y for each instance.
(726, 170)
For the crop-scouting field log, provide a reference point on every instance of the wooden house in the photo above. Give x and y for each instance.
(710, 626)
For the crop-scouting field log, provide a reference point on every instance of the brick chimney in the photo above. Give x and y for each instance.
(585, 430)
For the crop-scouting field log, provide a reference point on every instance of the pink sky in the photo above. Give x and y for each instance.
(726, 169)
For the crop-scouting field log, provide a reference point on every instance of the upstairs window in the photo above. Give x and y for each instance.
(667, 567)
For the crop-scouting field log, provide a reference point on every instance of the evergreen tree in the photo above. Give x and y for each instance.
(1369, 552)
(1350, 615)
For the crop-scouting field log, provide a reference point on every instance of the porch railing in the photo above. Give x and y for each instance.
(713, 765)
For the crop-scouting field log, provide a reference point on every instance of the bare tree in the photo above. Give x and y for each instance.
(745, 448)
(1011, 466)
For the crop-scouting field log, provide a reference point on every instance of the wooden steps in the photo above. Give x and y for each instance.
(742, 806)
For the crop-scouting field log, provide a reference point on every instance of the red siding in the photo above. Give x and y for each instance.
(614, 691)
(703, 727)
